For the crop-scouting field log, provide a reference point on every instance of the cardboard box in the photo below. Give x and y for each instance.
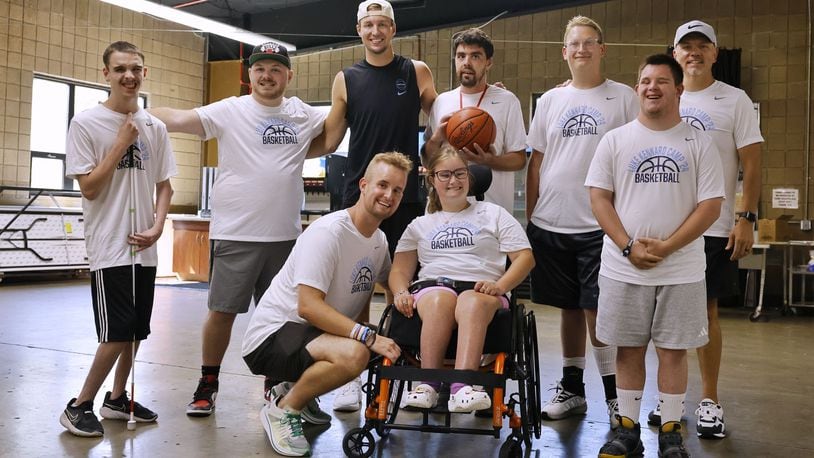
(774, 230)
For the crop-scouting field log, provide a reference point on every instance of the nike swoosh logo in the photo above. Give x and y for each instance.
(609, 98)
(693, 26)
(148, 124)
(688, 139)
(494, 102)
(718, 98)
(401, 92)
(638, 398)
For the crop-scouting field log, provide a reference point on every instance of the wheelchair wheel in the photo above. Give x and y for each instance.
(512, 448)
(533, 400)
(358, 443)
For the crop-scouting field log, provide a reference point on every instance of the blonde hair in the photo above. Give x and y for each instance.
(396, 159)
(584, 21)
(446, 152)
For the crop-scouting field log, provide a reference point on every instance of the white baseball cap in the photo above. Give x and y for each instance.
(385, 9)
(695, 27)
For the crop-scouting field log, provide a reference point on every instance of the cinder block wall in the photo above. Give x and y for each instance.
(66, 38)
(528, 59)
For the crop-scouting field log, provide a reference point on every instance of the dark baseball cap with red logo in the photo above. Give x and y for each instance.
(270, 50)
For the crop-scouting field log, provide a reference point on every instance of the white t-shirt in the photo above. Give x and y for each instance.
(258, 191)
(504, 108)
(469, 245)
(331, 256)
(567, 125)
(657, 178)
(726, 113)
(107, 217)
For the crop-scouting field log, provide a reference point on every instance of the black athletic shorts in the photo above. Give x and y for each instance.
(566, 272)
(117, 318)
(282, 356)
(722, 273)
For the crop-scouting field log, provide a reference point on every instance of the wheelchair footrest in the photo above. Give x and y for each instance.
(417, 374)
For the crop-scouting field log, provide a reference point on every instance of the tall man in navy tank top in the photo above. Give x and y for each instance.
(379, 98)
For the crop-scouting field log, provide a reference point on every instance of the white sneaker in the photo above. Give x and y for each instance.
(710, 424)
(613, 413)
(349, 396)
(284, 430)
(423, 396)
(468, 400)
(311, 413)
(564, 404)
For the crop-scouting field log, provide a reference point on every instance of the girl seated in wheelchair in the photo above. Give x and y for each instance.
(468, 242)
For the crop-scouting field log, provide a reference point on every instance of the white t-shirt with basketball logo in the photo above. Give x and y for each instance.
(727, 114)
(332, 256)
(149, 160)
(567, 126)
(504, 108)
(470, 245)
(258, 189)
(657, 178)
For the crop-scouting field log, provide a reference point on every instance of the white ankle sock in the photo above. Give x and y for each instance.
(671, 406)
(630, 403)
(577, 361)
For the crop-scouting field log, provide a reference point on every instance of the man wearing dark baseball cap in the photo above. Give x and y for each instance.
(270, 50)
(263, 139)
(727, 114)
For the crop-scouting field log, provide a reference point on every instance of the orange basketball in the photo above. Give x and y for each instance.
(469, 126)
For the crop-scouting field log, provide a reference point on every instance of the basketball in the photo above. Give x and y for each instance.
(469, 126)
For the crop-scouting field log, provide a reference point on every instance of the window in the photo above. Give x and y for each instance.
(54, 103)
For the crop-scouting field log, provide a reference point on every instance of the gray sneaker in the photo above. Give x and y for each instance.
(311, 413)
(284, 430)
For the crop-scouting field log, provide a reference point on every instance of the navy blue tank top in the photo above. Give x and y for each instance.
(383, 108)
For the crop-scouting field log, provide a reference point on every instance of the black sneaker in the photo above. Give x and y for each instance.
(203, 401)
(671, 444)
(119, 409)
(80, 420)
(626, 443)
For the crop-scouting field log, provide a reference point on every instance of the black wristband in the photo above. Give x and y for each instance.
(627, 248)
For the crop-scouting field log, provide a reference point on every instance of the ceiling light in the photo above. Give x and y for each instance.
(196, 22)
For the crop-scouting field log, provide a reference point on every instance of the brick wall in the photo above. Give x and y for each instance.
(66, 38)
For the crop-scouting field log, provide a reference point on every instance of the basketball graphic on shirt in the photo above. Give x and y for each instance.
(580, 120)
(364, 274)
(658, 164)
(694, 122)
(279, 129)
(452, 237)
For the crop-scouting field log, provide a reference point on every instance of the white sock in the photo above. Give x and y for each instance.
(605, 360)
(630, 403)
(671, 406)
(578, 361)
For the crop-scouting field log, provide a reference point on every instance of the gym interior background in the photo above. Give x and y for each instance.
(64, 39)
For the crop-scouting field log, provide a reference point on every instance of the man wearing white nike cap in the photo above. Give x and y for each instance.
(727, 114)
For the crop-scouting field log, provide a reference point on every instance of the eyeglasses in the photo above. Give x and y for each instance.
(445, 175)
(587, 44)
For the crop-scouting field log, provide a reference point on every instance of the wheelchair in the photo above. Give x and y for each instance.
(511, 336)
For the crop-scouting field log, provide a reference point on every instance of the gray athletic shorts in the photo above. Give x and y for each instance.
(239, 271)
(673, 316)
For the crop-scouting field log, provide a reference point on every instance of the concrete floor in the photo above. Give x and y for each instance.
(47, 342)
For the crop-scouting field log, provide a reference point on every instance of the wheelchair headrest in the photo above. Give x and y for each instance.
(481, 180)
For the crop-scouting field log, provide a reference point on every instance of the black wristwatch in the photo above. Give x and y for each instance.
(626, 249)
(371, 338)
(748, 216)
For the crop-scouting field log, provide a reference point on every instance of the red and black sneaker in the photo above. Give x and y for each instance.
(203, 401)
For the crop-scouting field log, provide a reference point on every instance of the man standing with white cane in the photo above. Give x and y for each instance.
(120, 155)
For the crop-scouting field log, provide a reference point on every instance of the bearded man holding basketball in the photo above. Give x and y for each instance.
(566, 239)
(473, 59)
(656, 184)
